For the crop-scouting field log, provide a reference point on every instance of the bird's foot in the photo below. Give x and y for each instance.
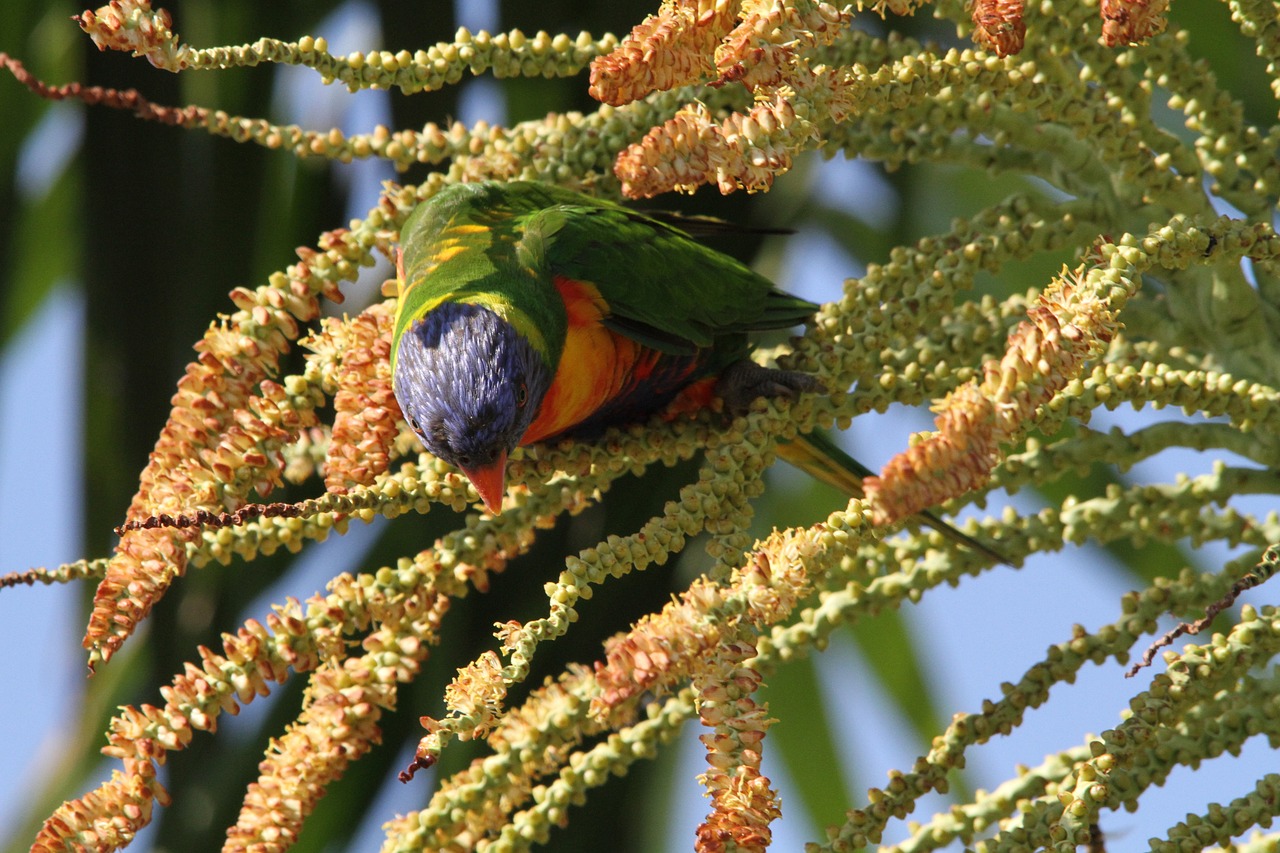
(744, 382)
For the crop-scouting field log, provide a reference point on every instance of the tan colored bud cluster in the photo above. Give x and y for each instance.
(957, 459)
(659, 650)
(338, 726)
(743, 805)
(139, 573)
(1070, 323)
(692, 148)
(225, 435)
(131, 25)
(757, 44)
(669, 49)
(81, 824)
(678, 642)
(366, 416)
(220, 442)
(142, 737)
(762, 49)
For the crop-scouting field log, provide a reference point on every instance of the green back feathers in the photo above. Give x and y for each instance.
(460, 246)
(502, 245)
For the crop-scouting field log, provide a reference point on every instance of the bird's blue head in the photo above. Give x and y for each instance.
(469, 385)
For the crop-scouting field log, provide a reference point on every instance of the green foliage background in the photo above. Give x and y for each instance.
(157, 224)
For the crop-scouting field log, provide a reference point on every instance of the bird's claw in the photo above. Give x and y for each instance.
(744, 382)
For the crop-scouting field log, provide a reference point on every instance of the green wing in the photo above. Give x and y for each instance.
(663, 288)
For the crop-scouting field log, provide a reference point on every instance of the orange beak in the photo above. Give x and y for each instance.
(490, 481)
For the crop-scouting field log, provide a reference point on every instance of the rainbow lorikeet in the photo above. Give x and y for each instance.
(528, 311)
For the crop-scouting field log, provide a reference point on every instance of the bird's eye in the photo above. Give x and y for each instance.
(464, 460)
(413, 424)
(522, 395)
(437, 432)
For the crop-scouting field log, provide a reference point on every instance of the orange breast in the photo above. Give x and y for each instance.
(595, 367)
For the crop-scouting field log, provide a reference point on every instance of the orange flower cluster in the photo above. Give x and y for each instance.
(366, 415)
(957, 459)
(1070, 323)
(768, 46)
(692, 149)
(764, 48)
(998, 26)
(221, 441)
(344, 700)
(705, 636)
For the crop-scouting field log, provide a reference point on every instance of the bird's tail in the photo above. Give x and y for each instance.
(817, 455)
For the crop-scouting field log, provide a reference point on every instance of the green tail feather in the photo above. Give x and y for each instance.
(817, 455)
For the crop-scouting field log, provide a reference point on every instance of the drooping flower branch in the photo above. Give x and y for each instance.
(1073, 322)
(229, 425)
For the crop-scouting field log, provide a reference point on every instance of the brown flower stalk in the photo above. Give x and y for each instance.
(120, 99)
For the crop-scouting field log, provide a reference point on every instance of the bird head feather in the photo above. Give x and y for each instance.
(469, 383)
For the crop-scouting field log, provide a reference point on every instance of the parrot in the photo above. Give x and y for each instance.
(528, 311)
